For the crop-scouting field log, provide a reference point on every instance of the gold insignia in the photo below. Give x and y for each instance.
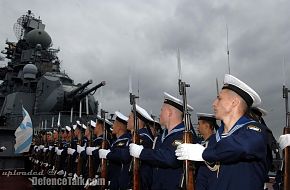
(177, 142)
(120, 144)
(255, 128)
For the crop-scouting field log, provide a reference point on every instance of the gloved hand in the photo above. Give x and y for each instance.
(45, 149)
(59, 151)
(3, 148)
(35, 147)
(56, 149)
(89, 150)
(135, 150)
(189, 152)
(61, 172)
(80, 149)
(284, 141)
(41, 147)
(50, 147)
(70, 151)
(103, 153)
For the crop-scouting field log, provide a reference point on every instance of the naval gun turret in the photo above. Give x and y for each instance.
(32, 79)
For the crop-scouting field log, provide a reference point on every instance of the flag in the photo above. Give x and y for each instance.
(23, 134)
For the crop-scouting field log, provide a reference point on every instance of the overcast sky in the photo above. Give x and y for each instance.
(103, 39)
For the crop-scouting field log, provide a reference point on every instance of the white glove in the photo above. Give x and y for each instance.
(45, 149)
(103, 153)
(135, 150)
(70, 151)
(284, 141)
(3, 148)
(61, 172)
(35, 147)
(80, 148)
(56, 149)
(190, 152)
(45, 164)
(50, 147)
(59, 151)
(89, 150)
(41, 147)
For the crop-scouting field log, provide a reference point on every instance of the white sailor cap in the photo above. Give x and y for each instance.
(246, 92)
(99, 118)
(108, 122)
(208, 117)
(74, 127)
(259, 111)
(143, 114)
(93, 124)
(121, 118)
(78, 122)
(84, 126)
(175, 102)
(68, 128)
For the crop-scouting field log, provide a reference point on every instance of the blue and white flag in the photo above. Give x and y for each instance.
(23, 134)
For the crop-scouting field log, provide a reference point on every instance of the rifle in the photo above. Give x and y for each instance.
(69, 160)
(286, 151)
(80, 159)
(90, 160)
(136, 140)
(51, 152)
(59, 145)
(188, 181)
(104, 145)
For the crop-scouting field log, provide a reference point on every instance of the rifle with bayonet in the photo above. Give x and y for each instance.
(135, 139)
(104, 145)
(188, 181)
(59, 145)
(80, 159)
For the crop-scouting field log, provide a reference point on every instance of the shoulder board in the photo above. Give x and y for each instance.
(255, 128)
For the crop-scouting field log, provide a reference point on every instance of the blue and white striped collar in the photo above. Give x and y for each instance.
(239, 124)
(179, 127)
(125, 136)
(144, 132)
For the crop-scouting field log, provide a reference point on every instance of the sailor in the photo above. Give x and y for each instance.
(146, 140)
(118, 154)
(238, 151)
(62, 152)
(167, 171)
(98, 130)
(207, 126)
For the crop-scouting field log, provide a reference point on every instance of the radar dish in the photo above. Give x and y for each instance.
(18, 27)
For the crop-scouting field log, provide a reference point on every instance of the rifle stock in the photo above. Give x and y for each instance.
(80, 159)
(188, 165)
(136, 166)
(286, 162)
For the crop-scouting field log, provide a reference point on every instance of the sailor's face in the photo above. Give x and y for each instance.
(222, 105)
(202, 127)
(130, 124)
(164, 114)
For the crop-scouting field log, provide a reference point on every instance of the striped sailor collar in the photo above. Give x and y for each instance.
(179, 127)
(123, 137)
(145, 132)
(239, 124)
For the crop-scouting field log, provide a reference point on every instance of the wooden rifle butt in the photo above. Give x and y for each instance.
(286, 162)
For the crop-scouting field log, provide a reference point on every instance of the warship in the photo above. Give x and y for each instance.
(32, 78)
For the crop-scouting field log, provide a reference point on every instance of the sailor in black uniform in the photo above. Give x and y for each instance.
(146, 140)
(167, 171)
(118, 154)
(238, 151)
(207, 126)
